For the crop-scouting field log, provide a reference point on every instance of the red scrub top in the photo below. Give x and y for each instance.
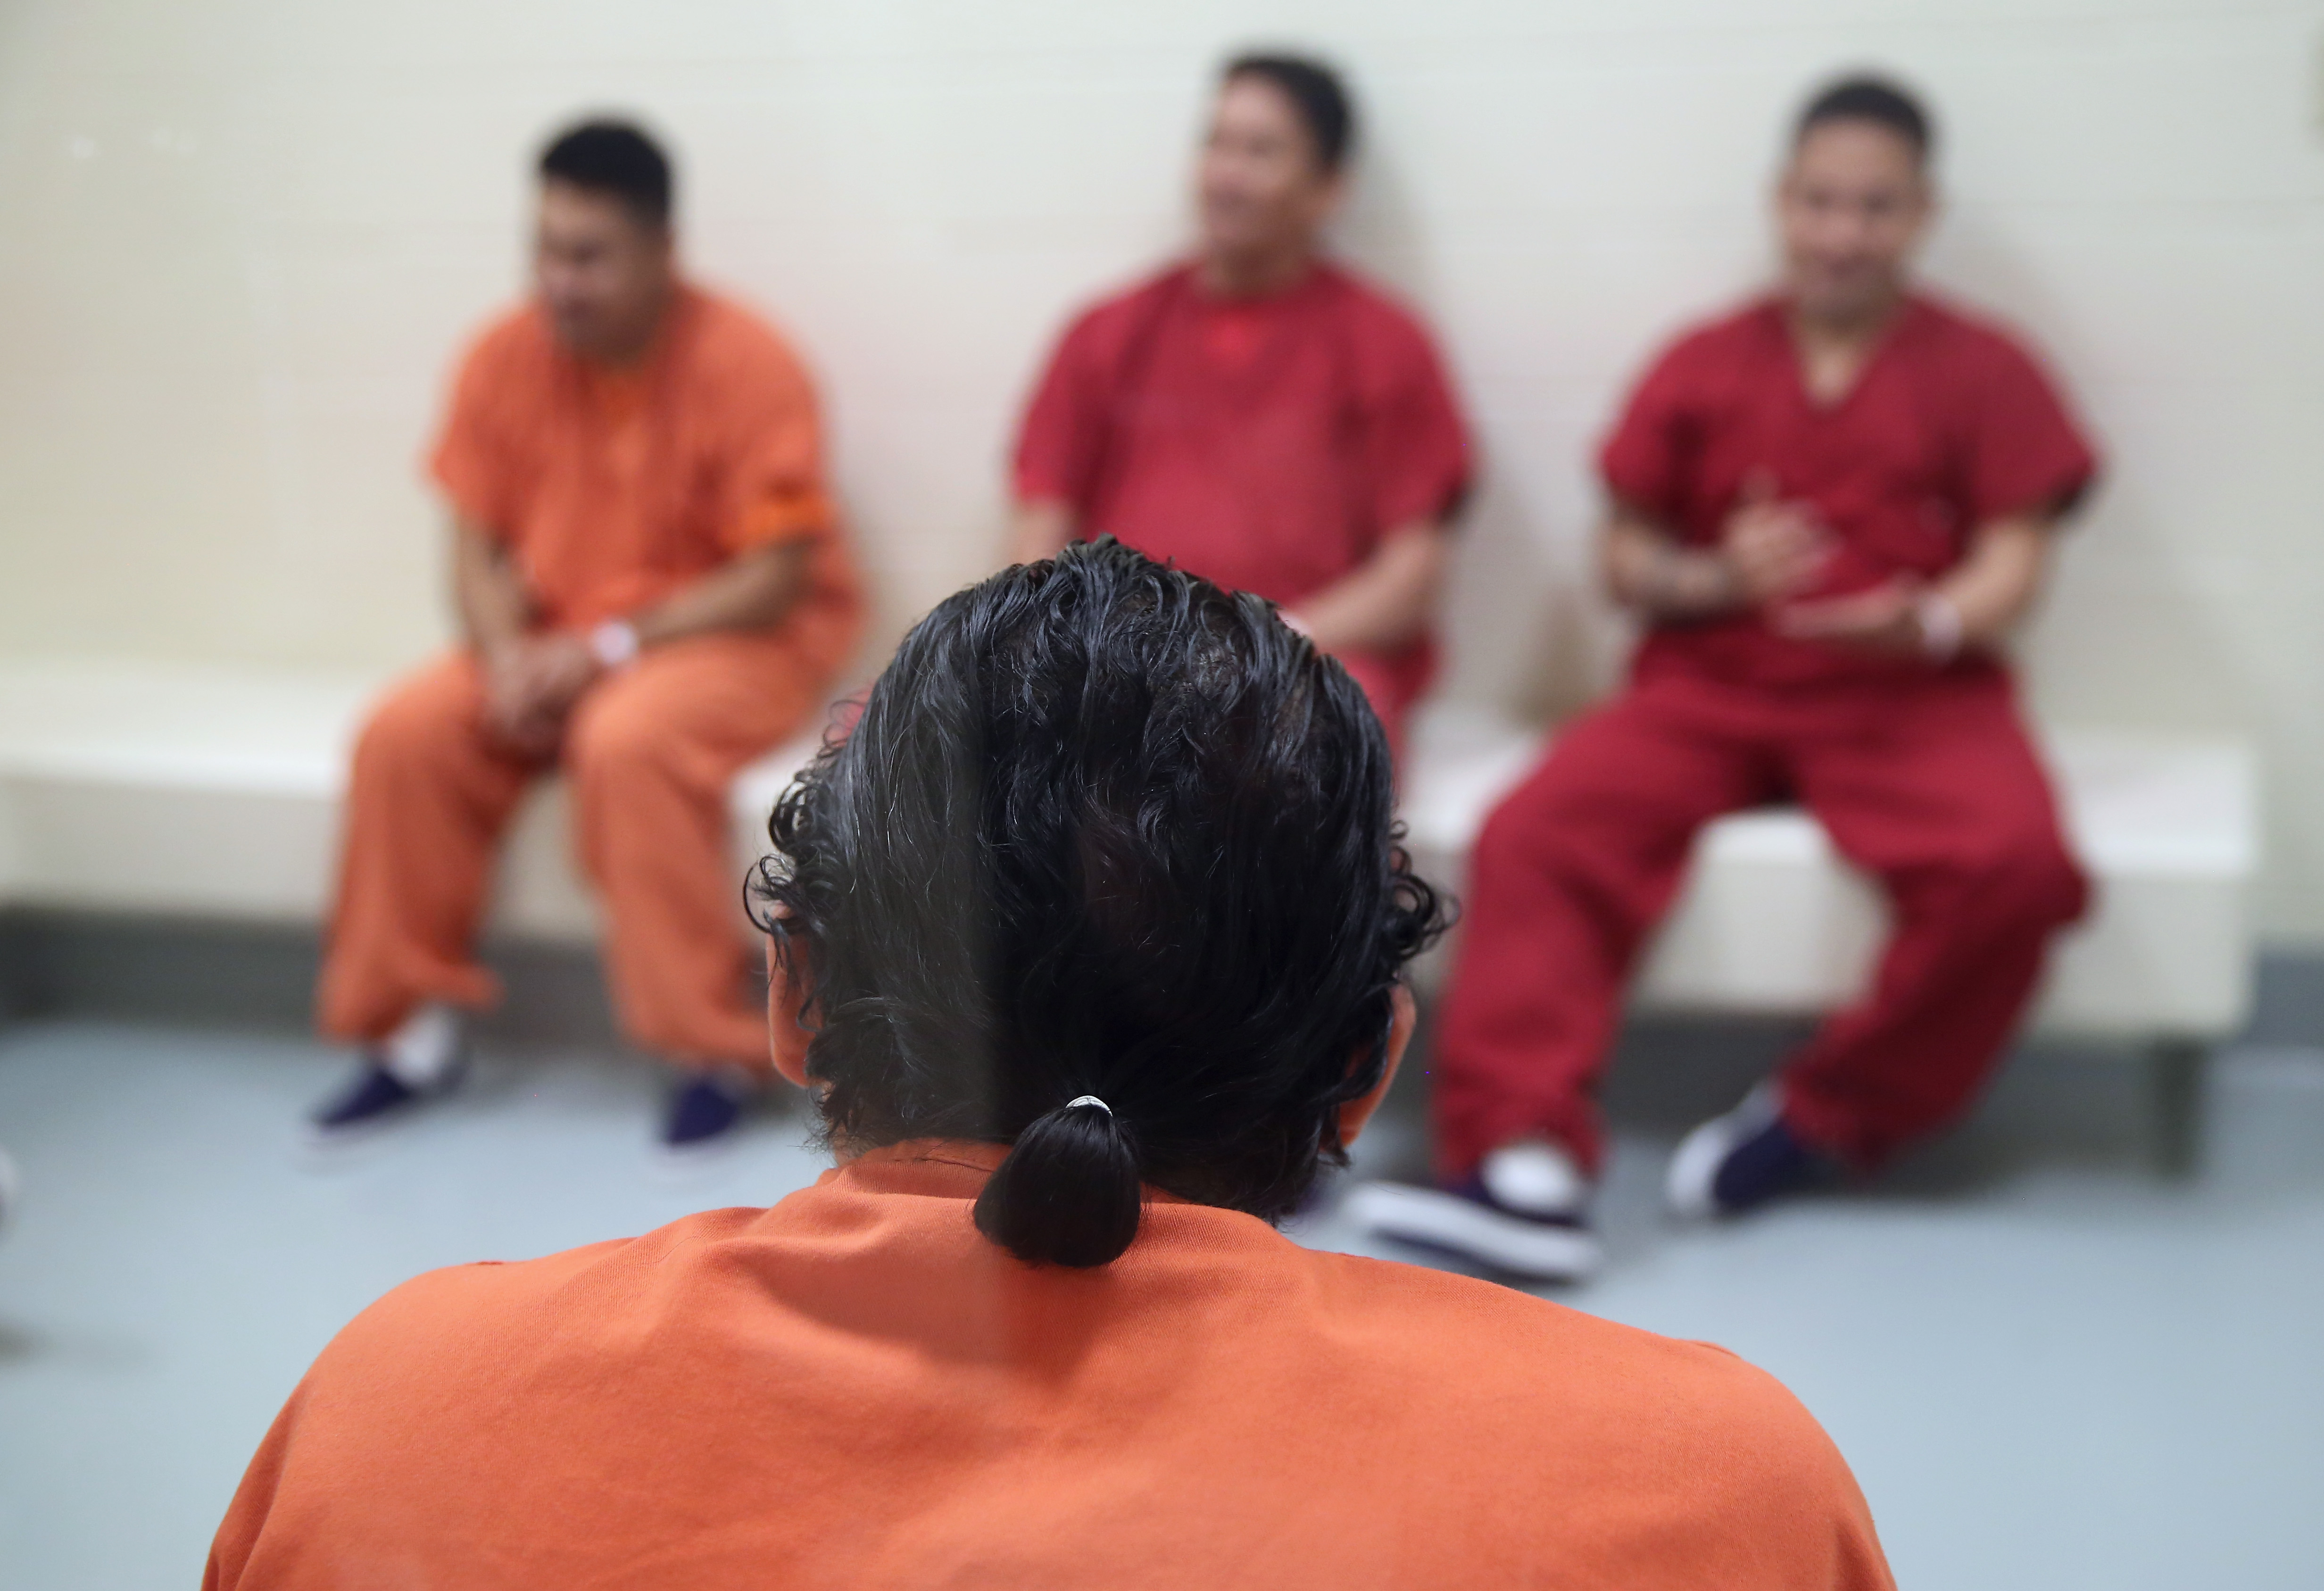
(855, 1389)
(1267, 444)
(1949, 426)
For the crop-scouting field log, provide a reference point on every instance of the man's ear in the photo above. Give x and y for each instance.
(1404, 1017)
(786, 1038)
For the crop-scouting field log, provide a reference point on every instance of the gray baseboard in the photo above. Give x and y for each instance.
(206, 972)
(2288, 1006)
(258, 976)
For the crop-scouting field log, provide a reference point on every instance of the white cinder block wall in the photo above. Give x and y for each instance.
(240, 240)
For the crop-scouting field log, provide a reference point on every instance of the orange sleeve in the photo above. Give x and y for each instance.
(476, 460)
(775, 490)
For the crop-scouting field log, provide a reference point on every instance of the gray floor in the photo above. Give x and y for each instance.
(2050, 1367)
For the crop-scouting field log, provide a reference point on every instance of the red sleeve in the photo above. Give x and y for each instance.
(475, 460)
(1644, 460)
(774, 481)
(2024, 451)
(1062, 438)
(1418, 443)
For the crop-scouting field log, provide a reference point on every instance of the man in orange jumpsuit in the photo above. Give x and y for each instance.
(653, 592)
(1829, 507)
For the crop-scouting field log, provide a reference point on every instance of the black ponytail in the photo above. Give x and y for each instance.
(1101, 826)
(1069, 1193)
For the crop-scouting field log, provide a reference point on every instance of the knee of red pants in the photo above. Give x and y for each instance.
(2028, 879)
(1558, 832)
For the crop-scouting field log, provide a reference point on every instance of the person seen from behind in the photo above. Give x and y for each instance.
(1089, 942)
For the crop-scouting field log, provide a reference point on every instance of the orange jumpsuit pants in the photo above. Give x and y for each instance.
(651, 751)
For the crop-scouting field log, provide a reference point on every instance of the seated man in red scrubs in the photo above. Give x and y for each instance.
(1829, 509)
(1263, 417)
(1088, 944)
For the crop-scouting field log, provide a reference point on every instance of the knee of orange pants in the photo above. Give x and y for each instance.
(428, 723)
(650, 810)
(613, 743)
(639, 778)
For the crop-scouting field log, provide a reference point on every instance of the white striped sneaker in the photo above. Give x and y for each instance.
(1524, 1214)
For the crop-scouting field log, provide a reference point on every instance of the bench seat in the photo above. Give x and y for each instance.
(1771, 922)
(141, 786)
(214, 793)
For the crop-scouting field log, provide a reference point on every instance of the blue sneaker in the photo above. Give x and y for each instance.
(1524, 1214)
(372, 1095)
(1739, 1162)
(706, 1108)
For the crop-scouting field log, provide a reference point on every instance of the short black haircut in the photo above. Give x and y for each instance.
(1100, 828)
(1317, 91)
(615, 157)
(1865, 97)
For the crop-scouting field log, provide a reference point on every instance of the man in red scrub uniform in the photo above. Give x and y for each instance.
(1260, 415)
(1828, 508)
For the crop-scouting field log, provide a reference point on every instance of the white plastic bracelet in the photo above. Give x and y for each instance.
(1940, 620)
(614, 643)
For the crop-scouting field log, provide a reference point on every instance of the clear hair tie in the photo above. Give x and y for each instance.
(1080, 1100)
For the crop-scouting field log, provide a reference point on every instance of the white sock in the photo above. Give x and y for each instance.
(419, 1053)
(1537, 1178)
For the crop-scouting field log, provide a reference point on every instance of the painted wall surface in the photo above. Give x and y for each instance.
(240, 241)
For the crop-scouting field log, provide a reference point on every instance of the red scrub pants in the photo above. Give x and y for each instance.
(1925, 781)
(649, 751)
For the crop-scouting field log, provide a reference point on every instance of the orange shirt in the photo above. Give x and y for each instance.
(616, 487)
(855, 1389)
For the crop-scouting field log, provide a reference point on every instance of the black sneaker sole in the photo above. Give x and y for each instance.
(1537, 1250)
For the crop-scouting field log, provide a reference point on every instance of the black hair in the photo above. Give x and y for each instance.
(1100, 828)
(613, 157)
(1317, 93)
(1865, 97)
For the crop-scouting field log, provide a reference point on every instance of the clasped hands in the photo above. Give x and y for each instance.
(1773, 550)
(531, 685)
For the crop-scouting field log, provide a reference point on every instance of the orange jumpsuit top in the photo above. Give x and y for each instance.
(855, 1389)
(614, 488)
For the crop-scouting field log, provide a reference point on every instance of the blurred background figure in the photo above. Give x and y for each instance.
(1263, 416)
(1829, 507)
(652, 590)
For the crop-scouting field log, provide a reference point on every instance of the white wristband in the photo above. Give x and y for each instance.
(1940, 619)
(614, 643)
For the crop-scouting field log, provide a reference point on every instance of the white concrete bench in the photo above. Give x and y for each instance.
(211, 792)
(1771, 922)
(204, 792)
